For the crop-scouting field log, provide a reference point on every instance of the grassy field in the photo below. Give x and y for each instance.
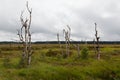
(49, 64)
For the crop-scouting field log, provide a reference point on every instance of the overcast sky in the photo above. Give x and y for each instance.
(50, 17)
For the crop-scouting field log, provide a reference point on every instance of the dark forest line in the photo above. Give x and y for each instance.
(62, 42)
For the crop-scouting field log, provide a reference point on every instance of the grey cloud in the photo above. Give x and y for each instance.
(51, 16)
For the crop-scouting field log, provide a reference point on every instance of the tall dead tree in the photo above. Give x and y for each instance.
(25, 37)
(67, 33)
(97, 42)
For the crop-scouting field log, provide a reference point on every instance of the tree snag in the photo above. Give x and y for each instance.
(97, 43)
(67, 34)
(25, 37)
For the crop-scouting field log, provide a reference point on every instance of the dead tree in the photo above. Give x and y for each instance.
(67, 34)
(25, 37)
(58, 38)
(97, 42)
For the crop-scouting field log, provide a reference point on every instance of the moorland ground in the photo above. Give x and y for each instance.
(49, 64)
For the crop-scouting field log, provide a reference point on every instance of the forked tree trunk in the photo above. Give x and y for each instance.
(67, 34)
(25, 37)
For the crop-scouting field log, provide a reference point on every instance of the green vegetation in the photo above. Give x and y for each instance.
(84, 53)
(49, 64)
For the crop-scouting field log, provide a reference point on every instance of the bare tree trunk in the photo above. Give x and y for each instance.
(67, 40)
(66, 47)
(25, 37)
(97, 42)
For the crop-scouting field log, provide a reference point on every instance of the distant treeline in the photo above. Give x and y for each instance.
(63, 42)
(77, 42)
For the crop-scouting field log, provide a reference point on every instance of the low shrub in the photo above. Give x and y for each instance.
(84, 53)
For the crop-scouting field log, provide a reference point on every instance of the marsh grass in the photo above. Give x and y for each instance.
(58, 68)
